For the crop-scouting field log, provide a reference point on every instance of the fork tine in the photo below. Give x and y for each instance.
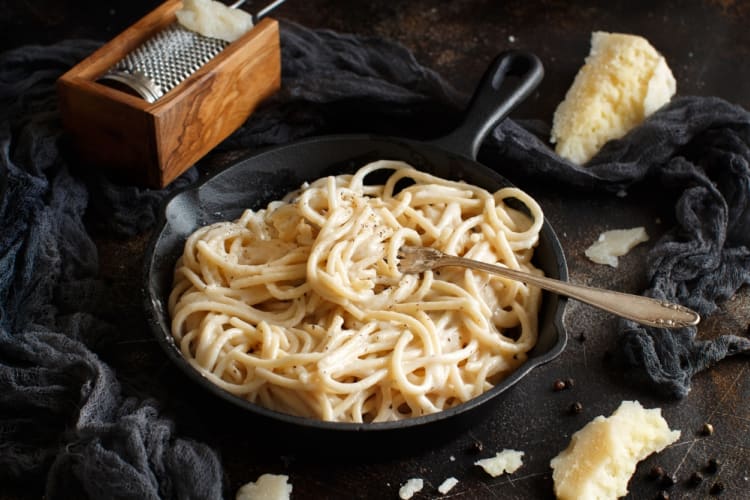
(417, 259)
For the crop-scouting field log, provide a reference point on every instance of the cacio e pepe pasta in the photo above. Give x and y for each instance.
(300, 307)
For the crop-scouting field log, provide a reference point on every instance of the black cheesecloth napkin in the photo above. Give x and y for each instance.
(65, 415)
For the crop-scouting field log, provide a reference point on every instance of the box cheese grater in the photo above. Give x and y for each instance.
(169, 57)
(160, 115)
(163, 62)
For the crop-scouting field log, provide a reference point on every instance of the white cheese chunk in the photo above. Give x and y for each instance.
(447, 485)
(410, 488)
(214, 19)
(615, 243)
(506, 461)
(267, 487)
(602, 456)
(623, 80)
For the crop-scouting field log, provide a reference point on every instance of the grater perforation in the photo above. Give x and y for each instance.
(164, 61)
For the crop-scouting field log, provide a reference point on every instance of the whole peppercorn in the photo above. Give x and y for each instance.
(667, 481)
(559, 385)
(477, 447)
(656, 472)
(695, 479)
(662, 495)
(716, 488)
(569, 382)
(713, 466)
(707, 429)
(576, 408)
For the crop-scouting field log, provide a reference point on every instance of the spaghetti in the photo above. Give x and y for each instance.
(300, 307)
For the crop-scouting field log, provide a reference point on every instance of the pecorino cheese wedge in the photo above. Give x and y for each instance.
(624, 79)
(602, 456)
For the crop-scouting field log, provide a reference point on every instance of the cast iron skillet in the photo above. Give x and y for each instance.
(268, 175)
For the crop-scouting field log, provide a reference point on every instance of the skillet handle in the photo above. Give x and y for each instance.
(495, 97)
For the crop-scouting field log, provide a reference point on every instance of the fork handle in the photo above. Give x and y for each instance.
(643, 310)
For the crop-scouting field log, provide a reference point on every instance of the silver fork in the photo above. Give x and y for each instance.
(643, 310)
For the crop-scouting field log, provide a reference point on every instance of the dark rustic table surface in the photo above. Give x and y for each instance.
(707, 45)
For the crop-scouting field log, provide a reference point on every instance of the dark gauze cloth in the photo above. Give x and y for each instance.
(66, 417)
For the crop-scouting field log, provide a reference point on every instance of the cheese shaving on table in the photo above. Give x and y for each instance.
(214, 19)
(267, 487)
(447, 485)
(615, 243)
(506, 461)
(410, 488)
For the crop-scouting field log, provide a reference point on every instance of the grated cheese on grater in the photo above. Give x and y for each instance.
(214, 19)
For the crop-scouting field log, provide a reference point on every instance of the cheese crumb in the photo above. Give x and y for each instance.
(267, 487)
(410, 488)
(447, 485)
(623, 80)
(615, 243)
(603, 455)
(505, 461)
(214, 19)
